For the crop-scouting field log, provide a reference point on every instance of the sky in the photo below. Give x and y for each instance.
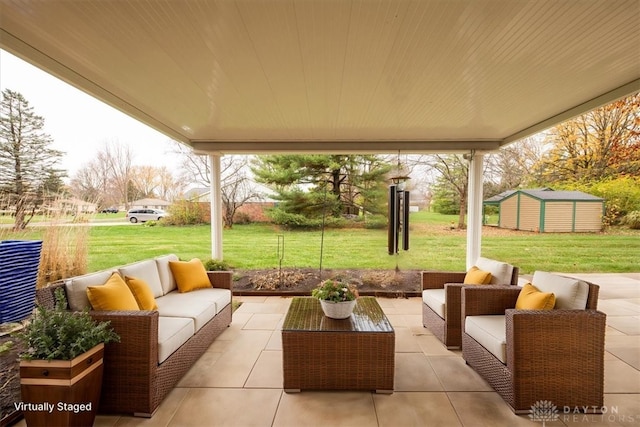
(79, 124)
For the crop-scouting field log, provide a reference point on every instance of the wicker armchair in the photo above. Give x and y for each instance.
(448, 289)
(555, 355)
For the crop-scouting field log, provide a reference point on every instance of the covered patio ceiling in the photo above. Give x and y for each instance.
(340, 76)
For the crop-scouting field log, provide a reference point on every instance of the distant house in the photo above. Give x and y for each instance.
(545, 210)
(71, 206)
(149, 204)
(254, 210)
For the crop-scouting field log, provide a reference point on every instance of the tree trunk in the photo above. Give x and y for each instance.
(463, 210)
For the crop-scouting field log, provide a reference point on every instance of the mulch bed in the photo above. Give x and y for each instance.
(9, 382)
(301, 281)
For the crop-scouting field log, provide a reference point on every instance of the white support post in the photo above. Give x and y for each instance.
(216, 207)
(474, 209)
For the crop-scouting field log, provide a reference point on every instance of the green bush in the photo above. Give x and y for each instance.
(184, 212)
(621, 195)
(215, 265)
(632, 219)
(242, 218)
(375, 222)
(300, 222)
(62, 334)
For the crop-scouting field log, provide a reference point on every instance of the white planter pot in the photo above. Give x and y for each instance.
(337, 310)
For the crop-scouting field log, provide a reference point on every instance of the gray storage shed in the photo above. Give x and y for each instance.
(545, 210)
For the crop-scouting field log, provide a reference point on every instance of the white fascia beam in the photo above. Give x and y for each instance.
(346, 147)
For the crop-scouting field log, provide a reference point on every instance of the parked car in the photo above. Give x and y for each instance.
(142, 215)
(109, 210)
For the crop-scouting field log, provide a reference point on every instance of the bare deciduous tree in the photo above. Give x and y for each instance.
(236, 188)
(116, 159)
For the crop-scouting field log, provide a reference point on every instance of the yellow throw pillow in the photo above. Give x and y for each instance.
(189, 275)
(113, 295)
(531, 298)
(475, 276)
(142, 293)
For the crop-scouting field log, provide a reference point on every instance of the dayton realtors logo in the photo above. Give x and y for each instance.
(543, 410)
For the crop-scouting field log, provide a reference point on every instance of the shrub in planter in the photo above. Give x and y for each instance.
(61, 367)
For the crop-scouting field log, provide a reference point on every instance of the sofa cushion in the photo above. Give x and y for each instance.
(189, 275)
(142, 293)
(76, 288)
(174, 304)
(435, 299)
(571, 294)
(475, 276)
(113, 295)
(164, 271)
(172, 333)
(490, 332)
(530, 298)
(220, 297)
(501, 272)
(147, 271)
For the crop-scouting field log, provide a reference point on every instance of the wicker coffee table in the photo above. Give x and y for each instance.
(319, 353)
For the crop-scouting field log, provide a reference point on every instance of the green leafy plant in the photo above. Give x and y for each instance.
(335, 290)
(62, 334)
(215, 265)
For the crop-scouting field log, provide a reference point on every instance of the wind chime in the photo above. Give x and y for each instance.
(398, 228)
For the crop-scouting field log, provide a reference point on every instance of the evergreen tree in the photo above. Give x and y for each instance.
(310, 186)
(26, 159)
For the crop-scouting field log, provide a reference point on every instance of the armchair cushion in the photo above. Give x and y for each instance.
(571, 294)
(475, 276)
(531, 298)
(435, 299)
(490, 332)
(501, 272)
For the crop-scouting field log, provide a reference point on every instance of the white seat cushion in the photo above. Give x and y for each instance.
(145, 270)
(490, 332)
(167, 281)
(435, 299)
(175, 305)
(571, 294)
(501, 272)
(76, 288)
(220, 297)
(172, 333)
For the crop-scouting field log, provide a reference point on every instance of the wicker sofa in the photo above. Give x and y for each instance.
(533, 356)
(441, 298)
(157, 347)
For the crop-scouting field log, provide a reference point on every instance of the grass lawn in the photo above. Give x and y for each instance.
(433, 245)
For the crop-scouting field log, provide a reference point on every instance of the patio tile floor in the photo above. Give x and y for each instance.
(238, 381)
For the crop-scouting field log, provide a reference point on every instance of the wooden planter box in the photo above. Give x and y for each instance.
(62, 392)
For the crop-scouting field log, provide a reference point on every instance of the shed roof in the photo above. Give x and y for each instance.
(546, 194)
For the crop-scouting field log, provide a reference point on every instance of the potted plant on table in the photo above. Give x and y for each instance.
(337, 298)
(61, 366)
